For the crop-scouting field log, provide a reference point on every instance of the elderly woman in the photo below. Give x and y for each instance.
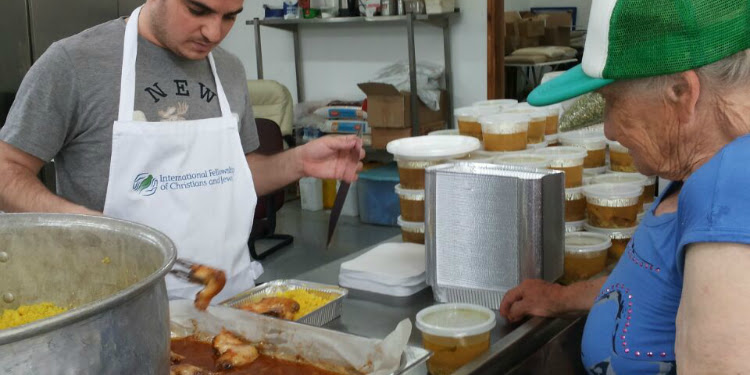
(676, 78)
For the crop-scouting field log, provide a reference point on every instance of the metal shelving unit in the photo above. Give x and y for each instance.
(441, 21)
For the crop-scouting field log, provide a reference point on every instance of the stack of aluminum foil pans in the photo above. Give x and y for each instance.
(489, 227)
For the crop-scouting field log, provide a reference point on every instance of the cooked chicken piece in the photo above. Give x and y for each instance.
(188, 370)
(233, 351)
(279, 307)
(212, 278)
(175, 358)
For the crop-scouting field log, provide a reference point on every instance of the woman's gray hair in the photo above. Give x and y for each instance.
(726, 75)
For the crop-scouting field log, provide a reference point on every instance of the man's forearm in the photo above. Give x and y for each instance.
(271, 173)
(21, 191)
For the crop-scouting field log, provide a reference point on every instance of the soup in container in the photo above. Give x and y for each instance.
(504, 132)
(567, 159)
(501, 103)
(613, 205)
(553, 118)
(595, 145)
(575, 204)
(411, 203)
(619, 237)
(625, 178)
(585, 255)
(414, 154)
(456, 333)
(411, 231)
(537, 121)
(523, 160)
(619, 158)
(467, 119)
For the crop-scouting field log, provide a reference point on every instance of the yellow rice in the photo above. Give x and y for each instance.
(308, 300)
(25, 314)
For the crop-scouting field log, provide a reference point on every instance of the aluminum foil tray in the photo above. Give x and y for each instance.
(317, 317)
(489, 227)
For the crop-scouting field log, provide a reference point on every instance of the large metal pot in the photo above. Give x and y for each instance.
(111, 275)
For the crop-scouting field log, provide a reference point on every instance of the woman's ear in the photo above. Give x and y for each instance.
(683, 93)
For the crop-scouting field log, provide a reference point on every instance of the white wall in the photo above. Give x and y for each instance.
(336, 58)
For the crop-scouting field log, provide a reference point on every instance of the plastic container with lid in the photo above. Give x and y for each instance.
(613, 205)
(456, 333)
(575, 204)
(414, 154)
(467, 119)
(474, 157)
(553, 118)
(411, 203)
(619, 237)
(377, 202)
(523, 160)
(567, 159)
(574, 226)
(619, 158)
(537, 121)
(649, 192)
(594, 143)
(624, 178)
(445, 132)
(504, 132)
(585, 255)
(411, 231)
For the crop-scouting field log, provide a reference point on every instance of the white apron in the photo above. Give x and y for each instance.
(188, 179)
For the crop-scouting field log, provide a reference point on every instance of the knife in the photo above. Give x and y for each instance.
(338, 204)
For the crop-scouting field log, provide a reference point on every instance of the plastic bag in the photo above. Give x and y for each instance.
(428, 81)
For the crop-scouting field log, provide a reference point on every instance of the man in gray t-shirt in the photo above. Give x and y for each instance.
(67, 103)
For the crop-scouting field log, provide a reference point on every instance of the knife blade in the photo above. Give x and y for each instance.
(338, 204)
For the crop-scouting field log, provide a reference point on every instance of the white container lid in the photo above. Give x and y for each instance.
(591, 172)
(455, 320)
(494, 154)
(433, 147)
(650, 180)
(586, 242)
(563, 156)
(537, 146)
(465, 112)
(551, 138)
(620, 178)
(617, 147)
(410, 226)
(474, 157)
(413, 195)
(445, 132)
(574, 226)
(534, 113)
(505, 123)
(588, 140)
(523, 160)
(613, 233)
(496, 103)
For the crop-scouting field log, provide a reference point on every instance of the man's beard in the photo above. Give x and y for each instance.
(158, 23)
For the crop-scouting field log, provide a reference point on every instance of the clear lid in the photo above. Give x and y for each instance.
(455, 320)
(620, 178)
(429, 147)
(552, 138)
(465, 112)
(586, 242)
(574, 226)
(474, 157)
(617, 147)
(613, 191)
(414, 195)
(494, 154)
(496, 103)
(536, 146)
(587, 140)
(524, 160)
(534, 113)
(591, 172)
(445, 132)
(410, 226)
(613, 233)
(563, 156)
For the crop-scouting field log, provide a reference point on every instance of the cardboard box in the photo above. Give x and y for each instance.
(381, 136)
(556, 36)
(530, 42)
(556, 19)
(389, 108)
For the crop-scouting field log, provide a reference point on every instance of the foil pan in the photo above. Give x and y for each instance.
(489, 227)
(317, 317)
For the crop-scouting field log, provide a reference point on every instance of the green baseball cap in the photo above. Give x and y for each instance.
(629, 39)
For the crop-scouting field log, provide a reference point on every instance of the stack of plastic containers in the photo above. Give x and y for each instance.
(413, 155)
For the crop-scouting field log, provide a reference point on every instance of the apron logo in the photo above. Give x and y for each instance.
(145, 184)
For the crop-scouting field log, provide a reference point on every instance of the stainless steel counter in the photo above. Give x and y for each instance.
(374, 315)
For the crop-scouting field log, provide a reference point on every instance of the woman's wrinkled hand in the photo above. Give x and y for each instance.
(533, 297)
